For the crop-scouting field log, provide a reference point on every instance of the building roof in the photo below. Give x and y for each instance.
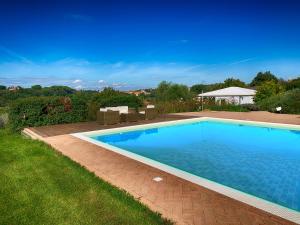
(230, 91)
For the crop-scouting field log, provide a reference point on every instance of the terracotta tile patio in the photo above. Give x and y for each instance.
(177, 199)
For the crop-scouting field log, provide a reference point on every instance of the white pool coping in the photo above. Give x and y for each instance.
(270, 207)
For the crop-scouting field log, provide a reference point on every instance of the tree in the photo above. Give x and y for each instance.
(267, 89)
(292, 84)
(58, 91)
(36, 87)
(167, 91)
(2, 87)
(262, 77)
(231, 82)
(198, 88)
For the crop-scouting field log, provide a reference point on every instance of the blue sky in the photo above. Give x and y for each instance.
(136, 44)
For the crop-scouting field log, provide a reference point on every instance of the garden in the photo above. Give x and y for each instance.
(40, 186)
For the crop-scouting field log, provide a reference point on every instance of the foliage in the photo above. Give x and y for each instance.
(38, 111)
(222, 105)
(177, 106)
(167, 91)
(3, 110)
(2, 87)
(289, 101)
(36, 87)
(250, 107)
(128, 100)
(231, 82)
(267, 89)
(7, 96)
(40, 186)
(198, 88)
(3, 116)
(262, 77)
(292, 84)
(225, 107)
(110, 98)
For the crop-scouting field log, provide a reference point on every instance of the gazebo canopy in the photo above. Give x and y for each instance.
(230, 91)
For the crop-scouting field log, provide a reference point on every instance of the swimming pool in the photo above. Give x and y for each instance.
(256, 163)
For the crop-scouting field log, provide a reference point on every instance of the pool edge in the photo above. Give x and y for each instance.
(269, 207)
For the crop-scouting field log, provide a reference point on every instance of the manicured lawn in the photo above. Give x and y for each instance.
(40, 186)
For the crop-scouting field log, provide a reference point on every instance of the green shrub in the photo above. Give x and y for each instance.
(93, 107)
(3, 116)
(250, 107)
(111, 98)
(3, 120)
(289, 101)
(226, 107)
(168, 91)
(38, 111)
(268, 89)
(129, 100)
(177, 106)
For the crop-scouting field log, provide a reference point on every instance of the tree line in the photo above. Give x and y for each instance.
(266, 84)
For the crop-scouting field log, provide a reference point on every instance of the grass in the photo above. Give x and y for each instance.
(40, 186)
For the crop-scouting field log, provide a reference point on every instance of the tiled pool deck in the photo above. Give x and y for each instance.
(177, 199)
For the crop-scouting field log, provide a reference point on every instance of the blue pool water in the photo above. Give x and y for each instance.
(264, 162)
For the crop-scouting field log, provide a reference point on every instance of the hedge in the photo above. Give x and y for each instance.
(39, 111)
(177, 106)
(227, 107)
(131, 101)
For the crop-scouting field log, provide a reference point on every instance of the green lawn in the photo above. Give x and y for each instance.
(40, 186)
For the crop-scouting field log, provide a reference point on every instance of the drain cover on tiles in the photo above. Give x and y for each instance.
(157, 179)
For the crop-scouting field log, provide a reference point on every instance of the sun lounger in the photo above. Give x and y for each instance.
(108, 117)
(130, 116)
(148, 113)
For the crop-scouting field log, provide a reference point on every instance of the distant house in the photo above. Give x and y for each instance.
(138, 92)
(234, 95)
(13, 88)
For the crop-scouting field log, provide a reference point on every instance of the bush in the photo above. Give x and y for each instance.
(129, 100)
(1, 122)
(111, 98)
(3, 116)
(250, 107)
(267, 89)
(167, 91)
(226, 107)
(38, 111)
(177, 106)
(289, 101)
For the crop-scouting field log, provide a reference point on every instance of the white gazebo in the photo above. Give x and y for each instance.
(234, 95)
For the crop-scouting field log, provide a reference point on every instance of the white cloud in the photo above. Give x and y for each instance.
(86, 74)
(79, 87)
(77, 81)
